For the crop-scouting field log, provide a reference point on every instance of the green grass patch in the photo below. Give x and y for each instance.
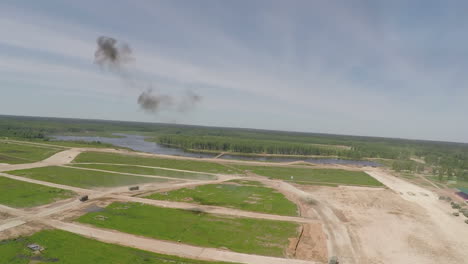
(247, 182)
(459, 184)
(81, 144)
(147, 171)
(244, 197)
(82, 178)
(312, 176)
(247, 235)
(18, 153)
(64, 144)
(66, 248)
(454, 183)
(21, 194)
(191, 165)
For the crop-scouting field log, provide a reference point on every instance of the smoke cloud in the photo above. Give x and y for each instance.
(110, 55)
(188, 101)
(151, 102)
(113, 56)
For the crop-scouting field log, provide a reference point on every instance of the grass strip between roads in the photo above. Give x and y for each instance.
(12, 153)
(21, 194)
(234, 195)
(190, 165)
(82, 178)
(64, 247)
(246, 235)
(312, 176)
(147, 171)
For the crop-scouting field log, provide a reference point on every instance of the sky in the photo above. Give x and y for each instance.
(372, 68)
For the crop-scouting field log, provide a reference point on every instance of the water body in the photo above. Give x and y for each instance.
(138, 143)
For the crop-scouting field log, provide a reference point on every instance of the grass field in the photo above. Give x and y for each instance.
(148, 171)
(20, 194)
(311, 176)
(82, 178)
(459, 184)
(247, 182)
(245, 235)
(191, 165)
(19, 153)
(80, 144)
(67, 248)
(246, 197)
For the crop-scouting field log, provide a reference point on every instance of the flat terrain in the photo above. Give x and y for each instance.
(313, 176)
(244, 235)
(65, 247)
(249, 219)
(22, 153)
(20, 194)
(148, 171)
(190, 165)
(240, 195)
(403, 224)
(82, 178)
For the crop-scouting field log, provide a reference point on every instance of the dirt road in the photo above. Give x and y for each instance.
(446, 237)
(165, 247)
(403, 224)
(48, 214)
(125, 173)
(60, 158)
(50, 184)
(357, 222)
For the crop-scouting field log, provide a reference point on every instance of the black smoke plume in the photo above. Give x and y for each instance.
(151, 102)
(112, 55)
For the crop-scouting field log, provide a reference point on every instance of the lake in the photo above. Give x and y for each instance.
(138, 143)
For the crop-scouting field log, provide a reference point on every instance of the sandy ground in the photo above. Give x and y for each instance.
(313, 242)
(403, 224)
(22, 230)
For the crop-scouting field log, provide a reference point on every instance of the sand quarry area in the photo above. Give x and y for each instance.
(403, 223)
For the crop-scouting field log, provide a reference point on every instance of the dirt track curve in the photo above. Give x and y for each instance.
(43, 214)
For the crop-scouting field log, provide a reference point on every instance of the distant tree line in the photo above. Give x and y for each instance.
(448, 158)
(225, 144)
(240, 145)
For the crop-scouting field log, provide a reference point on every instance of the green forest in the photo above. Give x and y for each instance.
(446, 158)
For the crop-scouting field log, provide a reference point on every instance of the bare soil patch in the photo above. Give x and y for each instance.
(385, 228)
(22, 230)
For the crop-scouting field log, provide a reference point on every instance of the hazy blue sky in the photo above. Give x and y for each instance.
(381, 68)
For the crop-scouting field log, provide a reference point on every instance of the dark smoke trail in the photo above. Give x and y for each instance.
(151, 102)
(112, 56)
(188, 101)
